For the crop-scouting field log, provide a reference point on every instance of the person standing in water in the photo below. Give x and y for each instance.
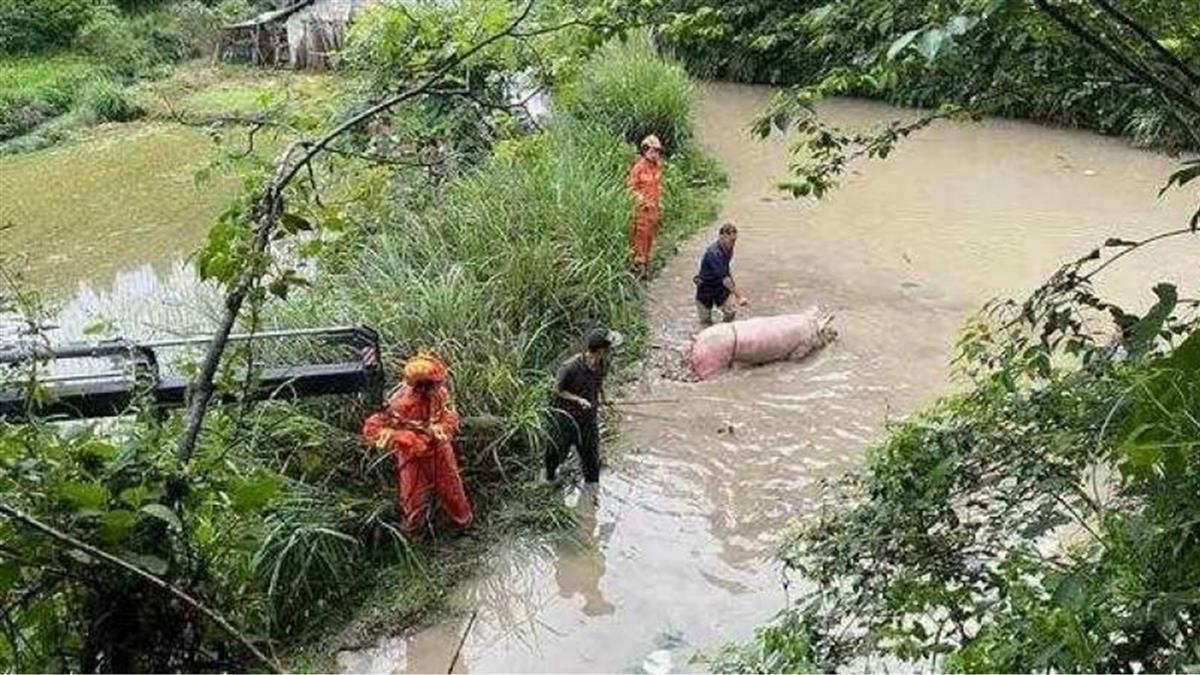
(645, 183)
(578, 391)
(715, 286)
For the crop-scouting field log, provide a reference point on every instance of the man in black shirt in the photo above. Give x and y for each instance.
(578, 391)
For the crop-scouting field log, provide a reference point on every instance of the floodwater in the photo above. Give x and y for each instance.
(123, 197)
(677, 557)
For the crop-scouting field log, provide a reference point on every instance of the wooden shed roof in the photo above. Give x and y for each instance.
(272, 16)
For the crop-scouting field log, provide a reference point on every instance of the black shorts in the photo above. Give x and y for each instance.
(712, 297)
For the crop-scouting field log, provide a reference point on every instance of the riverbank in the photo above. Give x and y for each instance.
(679, 557)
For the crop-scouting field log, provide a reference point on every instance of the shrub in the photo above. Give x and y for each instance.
(110, 38)
(28, 26)
(106, 101)
(631, 91)
(32, 90)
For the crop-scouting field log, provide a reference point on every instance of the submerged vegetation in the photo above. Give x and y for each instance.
(497, 249)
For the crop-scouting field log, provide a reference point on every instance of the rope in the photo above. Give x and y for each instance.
(733, 327)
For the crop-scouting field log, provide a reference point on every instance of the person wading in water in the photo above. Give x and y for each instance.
(714, 283)
(645, 183)
(578, 392)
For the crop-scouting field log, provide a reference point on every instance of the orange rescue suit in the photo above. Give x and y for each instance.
(645, 182)
(419, 424)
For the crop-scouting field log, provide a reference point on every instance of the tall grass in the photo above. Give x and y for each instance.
(631, 91)
(505, 274)
(33, 90)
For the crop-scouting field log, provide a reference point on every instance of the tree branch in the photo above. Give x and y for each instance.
(63, 538)
(1140, 30)
(1060, 17)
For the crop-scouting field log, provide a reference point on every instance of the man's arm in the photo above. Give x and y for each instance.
(560, 387)
(730, 284)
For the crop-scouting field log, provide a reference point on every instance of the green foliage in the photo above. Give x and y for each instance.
(1004, 56)
(109, 51)
(35, 89)
(107, 101)
(505, 272)
(1037, 521)
(29, 26)
(631, 92)
(281, 520)
(785, 646)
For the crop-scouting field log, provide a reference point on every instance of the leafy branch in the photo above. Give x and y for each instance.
(73, 543)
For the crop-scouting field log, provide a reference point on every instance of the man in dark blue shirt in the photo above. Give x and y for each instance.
(714, 284)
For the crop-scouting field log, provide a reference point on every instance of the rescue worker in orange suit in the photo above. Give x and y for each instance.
(645, 182)
(419, 424)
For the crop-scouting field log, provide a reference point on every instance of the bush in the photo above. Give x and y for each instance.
(111, 39)
(106, 101)
(631, 91)
(198, 25)
(28, 26)
(32, 90)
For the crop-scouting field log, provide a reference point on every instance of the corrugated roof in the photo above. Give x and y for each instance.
(273, 15)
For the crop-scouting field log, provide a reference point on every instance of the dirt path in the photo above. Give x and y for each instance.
(678, 558)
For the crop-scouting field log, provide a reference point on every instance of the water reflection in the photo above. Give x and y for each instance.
(139, 304)
(579, 567)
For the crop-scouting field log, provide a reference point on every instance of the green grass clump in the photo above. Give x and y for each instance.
(32, 90)
(107, 101)
(631, 91)
(503, 277)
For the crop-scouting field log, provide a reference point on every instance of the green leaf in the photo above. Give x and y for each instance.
(902, 42)
(819, 14)
(81, 496)
(1143, 334)
(1139, 459)
(253, 493)
(931, 43)
(115, 526)
(164, 514)
(10, 574)
(1070, 593)
(961, 24)
(294, 223)
(1182, 177)
(136, 496)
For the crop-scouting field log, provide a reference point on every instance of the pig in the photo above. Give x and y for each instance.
(760, 340)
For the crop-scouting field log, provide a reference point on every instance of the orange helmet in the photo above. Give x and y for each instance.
(424, 368)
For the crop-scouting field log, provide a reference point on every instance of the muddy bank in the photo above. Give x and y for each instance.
(677, 556)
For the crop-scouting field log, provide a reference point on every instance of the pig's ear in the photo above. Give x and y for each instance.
(826, 321)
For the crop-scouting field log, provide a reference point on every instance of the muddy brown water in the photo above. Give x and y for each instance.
(677, 557)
